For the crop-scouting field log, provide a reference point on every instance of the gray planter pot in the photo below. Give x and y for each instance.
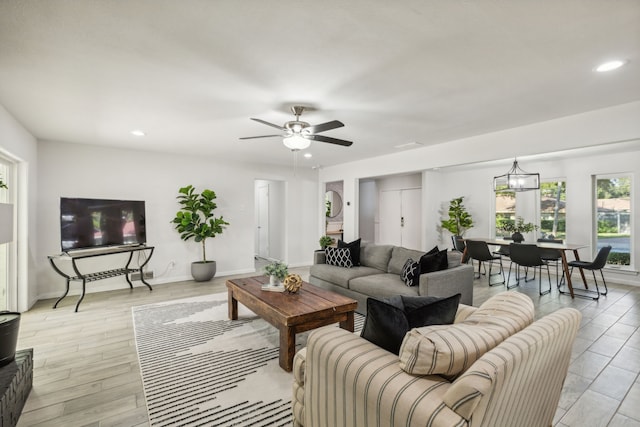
(203, 271)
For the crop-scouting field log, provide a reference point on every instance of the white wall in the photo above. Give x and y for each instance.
(17, 143)
(78, 170)
(591, 129)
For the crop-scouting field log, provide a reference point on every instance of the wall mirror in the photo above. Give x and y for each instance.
(332, 203)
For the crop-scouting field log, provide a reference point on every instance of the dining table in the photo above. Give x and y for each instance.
(561, 247)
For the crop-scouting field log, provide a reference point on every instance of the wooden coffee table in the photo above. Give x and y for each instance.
(309, 308)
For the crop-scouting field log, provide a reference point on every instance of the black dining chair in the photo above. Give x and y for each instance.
(479, 250)
(460, 246)
(597, 264)
(528, 256)
(552, 256)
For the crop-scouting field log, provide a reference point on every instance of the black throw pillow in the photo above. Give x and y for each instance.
(389, 320)
(355, 250)
(410, 273)
(434, 262)
(433, 250)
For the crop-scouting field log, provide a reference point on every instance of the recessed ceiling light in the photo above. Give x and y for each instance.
(308, 155)
(610, 65)
(137, 132)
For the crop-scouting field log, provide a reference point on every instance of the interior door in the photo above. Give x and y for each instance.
(401, 218)
(390, 214)
(411, 218)
(263, 221)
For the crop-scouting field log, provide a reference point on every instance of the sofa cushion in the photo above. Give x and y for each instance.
(450, 350)
(434, 262)
(382, 286)
(340, 257)
(388, 320)
(341, 276)
(454, 259)
(410, 274)
(376, 256)
(399, 256)
(354, 247)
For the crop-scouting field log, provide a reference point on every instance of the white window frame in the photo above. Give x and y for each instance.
(594, 217)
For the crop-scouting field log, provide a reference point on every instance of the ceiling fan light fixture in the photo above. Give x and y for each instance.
(296, 142)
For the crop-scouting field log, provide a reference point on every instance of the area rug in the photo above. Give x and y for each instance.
(201, 369)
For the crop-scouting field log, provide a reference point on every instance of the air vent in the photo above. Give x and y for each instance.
(413, 144)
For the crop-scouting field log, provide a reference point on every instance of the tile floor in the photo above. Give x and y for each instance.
(86, 368)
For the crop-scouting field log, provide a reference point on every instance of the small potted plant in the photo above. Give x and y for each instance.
(276, 271)
(325, 241)
(517, 227)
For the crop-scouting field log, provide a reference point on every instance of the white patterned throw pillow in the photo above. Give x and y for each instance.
(411, 273)
(340, 257)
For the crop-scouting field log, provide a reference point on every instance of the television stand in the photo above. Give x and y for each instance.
(77, 275)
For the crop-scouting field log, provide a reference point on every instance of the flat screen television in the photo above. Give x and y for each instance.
(94, 223)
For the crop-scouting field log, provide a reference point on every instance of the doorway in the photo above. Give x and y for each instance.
(400, 217)
(8, 267)
(269, 221)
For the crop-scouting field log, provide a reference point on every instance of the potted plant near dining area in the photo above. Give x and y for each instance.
(516, 228)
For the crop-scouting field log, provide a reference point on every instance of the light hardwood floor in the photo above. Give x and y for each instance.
(86, 369)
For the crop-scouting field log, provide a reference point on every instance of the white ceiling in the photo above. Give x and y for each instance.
(191, 73)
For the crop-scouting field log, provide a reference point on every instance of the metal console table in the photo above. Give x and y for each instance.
(126, 271)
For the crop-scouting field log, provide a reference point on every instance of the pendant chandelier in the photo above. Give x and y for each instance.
(516, 179)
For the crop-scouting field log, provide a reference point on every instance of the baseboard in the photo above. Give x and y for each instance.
(92, 288)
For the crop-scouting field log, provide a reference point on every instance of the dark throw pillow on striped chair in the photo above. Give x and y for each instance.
(389, 320)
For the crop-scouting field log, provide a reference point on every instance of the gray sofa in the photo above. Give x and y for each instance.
(379, 276)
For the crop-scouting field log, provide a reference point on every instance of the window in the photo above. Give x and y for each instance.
(553, 196)
(613, 216)
(505, 210)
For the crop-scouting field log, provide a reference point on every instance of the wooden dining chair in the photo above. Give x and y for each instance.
(528, 256)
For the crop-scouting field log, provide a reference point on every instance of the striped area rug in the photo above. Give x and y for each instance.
(201, 369)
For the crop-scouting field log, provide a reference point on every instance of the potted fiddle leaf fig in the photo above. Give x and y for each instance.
(459, 219)
(196, 220)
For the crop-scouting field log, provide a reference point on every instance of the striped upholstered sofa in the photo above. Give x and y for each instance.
(493, 367)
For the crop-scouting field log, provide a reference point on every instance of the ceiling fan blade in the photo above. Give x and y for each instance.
(261, 136)
(334, 124)
(330, 140)
(269, 124)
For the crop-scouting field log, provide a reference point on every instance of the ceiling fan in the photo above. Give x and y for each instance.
(297, 135)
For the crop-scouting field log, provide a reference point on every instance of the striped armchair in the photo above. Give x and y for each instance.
(343, 380)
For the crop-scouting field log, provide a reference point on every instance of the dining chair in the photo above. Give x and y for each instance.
(528, 256)
(460, 246)
(597, 264)
(479, 250)
(552, 256)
